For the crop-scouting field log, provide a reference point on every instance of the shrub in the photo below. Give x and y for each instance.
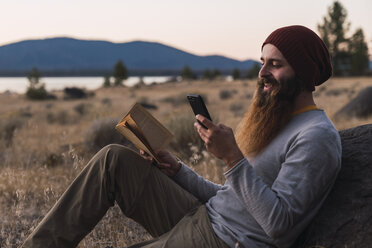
(61, 117)
(37, 93)
(186, 141)
(82, 108)
(74, 93)
(225, 94)
(101, 133)
(106, 101)
(178, 100)
(145, 103)
(237, 108)
(336, 92)
(249, 95)
(181, 98)
(53, 160)
(8, 128)
(106, 81)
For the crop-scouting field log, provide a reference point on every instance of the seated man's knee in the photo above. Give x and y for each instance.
(119, 155)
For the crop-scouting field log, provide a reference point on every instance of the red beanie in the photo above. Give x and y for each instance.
(305, 52)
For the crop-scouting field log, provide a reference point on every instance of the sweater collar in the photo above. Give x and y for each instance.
(305, 109)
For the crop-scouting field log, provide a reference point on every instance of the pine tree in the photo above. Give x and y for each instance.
(34, 77)
(359, 53)
(207, 74)
(186, 73)
(236, 74)
(253, 72)
(333, 32)
(106, 81)
(216, 73)
(120, 73)
(36, 90)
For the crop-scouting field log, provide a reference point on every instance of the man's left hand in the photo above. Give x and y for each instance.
(219, 140)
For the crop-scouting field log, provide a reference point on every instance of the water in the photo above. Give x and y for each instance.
(20, 84)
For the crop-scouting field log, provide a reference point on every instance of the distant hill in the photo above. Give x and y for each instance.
(74, 55)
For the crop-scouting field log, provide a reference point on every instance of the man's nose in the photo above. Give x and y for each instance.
(263, 72)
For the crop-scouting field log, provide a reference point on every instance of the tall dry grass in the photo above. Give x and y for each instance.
(43, 145)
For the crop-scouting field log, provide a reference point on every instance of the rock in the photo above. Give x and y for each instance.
(360, 106)
(345, 220)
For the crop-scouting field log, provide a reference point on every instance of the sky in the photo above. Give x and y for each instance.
(234, 28)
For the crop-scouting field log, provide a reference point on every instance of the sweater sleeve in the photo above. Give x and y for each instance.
(195, 184)
(304, 180)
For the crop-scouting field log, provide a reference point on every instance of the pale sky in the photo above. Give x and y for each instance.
(234, 28)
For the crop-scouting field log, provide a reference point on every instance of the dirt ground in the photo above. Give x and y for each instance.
(42, 144)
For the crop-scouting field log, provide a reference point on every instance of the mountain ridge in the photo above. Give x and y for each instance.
(72, 54)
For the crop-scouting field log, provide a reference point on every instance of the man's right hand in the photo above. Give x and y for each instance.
(168, 163)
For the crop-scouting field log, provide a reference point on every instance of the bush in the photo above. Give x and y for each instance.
(8, 128)
(61, 117)
(145, 103)
(101, 133)
(237, 108)
(226, 94)
(37, 93)
(82, 108)
(74, 93)
(175, 101)
(106, 101)
(186, 141)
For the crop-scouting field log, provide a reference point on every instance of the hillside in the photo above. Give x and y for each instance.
(68, 54)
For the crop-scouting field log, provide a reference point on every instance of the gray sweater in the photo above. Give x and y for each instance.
(267, 201)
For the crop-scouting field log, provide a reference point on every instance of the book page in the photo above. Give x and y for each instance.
(156, 134)
(144, 131)
(130, 135)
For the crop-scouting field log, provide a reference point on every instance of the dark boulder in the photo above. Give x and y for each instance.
(360, 106)
(345, 220)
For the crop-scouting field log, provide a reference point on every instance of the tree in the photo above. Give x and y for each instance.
(359, 53)
(120, 73)
(186, 73)
(253, 72)
(216, 73)
(34, 77)
(106, 82)
(36, 90)
(207, 74)
(236, 74)
(332, 32)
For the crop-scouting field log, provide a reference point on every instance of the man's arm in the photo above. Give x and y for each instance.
(184, 176)
(304, 180)
(306, 177)
(195, 184)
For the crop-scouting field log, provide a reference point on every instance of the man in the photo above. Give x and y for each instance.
(281, 168)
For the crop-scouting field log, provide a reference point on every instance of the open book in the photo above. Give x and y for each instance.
(144, 131)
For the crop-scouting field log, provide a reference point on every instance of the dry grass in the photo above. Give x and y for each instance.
(46, 150)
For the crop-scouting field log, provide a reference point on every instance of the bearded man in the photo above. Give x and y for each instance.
(281, 167)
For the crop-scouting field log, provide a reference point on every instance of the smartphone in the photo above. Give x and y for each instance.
(198, 106)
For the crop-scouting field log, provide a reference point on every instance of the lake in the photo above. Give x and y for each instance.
(20, 84)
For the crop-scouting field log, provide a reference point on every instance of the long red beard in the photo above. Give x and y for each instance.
(267, 115)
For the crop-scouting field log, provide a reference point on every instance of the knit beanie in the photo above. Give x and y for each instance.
(305, 52)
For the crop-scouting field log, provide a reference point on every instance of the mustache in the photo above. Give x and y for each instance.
(266, 80)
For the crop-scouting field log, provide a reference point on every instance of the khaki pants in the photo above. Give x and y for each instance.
(167, 211)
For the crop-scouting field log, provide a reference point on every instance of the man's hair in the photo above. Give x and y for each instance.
(267, 115)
